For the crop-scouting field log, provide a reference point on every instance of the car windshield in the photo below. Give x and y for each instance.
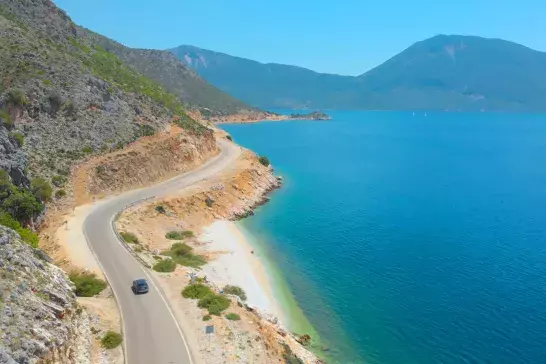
(142, 283)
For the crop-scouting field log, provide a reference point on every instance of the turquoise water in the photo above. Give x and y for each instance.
(411, 239)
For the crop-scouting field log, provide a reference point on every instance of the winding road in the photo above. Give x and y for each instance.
(152, 334)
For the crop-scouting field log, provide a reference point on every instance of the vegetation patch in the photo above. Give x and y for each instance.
(60, 194)
(236, 291)
(111, 340)
(87, 284)
(41, 189)
(179, 235)
(165, 266)
(207, 318)
(264, 161)
(196, 291)
(160, 209)
(233, 316)
(18, 137)
(129, 237)
(214, 303)
(27, 235)
(58, 181)
(182, 254)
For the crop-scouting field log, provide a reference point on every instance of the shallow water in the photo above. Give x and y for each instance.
(411, 239)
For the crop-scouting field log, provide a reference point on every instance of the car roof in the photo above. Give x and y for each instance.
(140, 281)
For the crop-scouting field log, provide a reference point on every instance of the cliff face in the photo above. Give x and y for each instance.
(40, 318)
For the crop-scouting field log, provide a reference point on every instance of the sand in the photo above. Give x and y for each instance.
(238, 266)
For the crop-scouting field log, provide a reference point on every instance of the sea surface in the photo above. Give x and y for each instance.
(410, 238)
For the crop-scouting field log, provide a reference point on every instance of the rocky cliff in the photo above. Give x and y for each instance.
(40, 318)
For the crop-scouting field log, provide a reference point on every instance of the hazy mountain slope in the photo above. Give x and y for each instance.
(267, 85)
(443, 72)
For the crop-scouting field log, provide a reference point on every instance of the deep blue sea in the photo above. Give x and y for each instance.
(411, 239)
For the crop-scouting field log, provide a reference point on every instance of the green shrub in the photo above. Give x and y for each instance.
(196, 291)
(207, 318)
(182, 254)
(165, 266)
(214, 303)
(6, 119)
(87, 150)
(27, 235)
(129, 237)
(236, 291)
(100, 169)
(144, 130)
(19, 138)
(228, 137)
(55, 103)
(47, 82)
(179, 235)
(41, 189)
(21, 204)
(87, 284)
(58, 181)
(160, 209)
(111, 340)
(233, 316)
(264, 161)
(71, 108)
(16, 98)
(60, 194)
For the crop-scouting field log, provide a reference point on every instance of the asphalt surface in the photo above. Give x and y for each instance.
(151, 332)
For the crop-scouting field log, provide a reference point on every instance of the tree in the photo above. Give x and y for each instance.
(22, 205)
(41, 189)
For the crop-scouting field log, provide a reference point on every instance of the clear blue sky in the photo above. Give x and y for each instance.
(335, 36)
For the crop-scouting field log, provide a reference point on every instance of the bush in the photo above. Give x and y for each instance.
(71, 108)
(16, 98)
(19, 138)
(129, 237)
(236, 291)
(22, 205)
(87, 284)
(214, 303)
(196, 291)
(111, 340)
(182, 254)
(233, 316)
(144, 130)
(58, 181)
(264, 161)
(41, 189)
(179, 235)
(6, 119)
(207, 318)
(228, 137)
(100, 169)
(165, 266)
(60, 194)
(160, 209)
(55, 103)
(27, 235)
(87, 150)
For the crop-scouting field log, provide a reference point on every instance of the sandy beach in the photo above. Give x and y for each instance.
(239, 264)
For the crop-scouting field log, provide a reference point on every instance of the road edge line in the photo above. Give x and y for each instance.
(150, 278)
(122, 326)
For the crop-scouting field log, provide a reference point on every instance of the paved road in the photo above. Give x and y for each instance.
(152, 334)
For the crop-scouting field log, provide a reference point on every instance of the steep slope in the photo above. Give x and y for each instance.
(176, 77)
(441, 73)
(65, 97)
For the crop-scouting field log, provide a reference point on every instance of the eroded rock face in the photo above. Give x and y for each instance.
(39, 315)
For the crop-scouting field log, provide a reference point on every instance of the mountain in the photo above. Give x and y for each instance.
(462, 73)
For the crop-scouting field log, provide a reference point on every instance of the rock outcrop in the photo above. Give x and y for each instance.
(39, 317)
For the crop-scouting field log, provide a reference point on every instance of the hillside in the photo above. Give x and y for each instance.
(460, 73)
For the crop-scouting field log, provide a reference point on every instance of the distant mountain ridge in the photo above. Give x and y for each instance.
(445, 72)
